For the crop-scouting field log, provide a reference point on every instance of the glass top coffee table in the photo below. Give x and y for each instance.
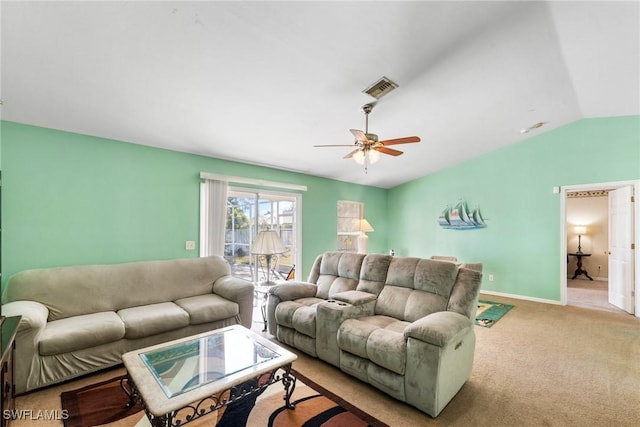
(182, 380)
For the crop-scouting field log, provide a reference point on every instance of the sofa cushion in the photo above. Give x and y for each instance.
(420, 304)
(285, 313)
(80, 332)
(388, 348)
(86, 289)
(304, 320)
(373, 273)
(379, 339)
(392, 301)
(339, 272)
(208, 308)
(427, 275)
(152, 319)
(436, 277)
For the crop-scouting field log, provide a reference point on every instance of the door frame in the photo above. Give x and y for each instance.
(563, 233)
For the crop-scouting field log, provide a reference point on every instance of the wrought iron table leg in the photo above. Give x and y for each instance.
(289, 382)
(128, 390)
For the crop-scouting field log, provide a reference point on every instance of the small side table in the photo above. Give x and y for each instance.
(580, 270)
(9, 328)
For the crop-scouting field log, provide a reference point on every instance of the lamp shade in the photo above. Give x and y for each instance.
(268, 243)
(580, 229)
(365, 227)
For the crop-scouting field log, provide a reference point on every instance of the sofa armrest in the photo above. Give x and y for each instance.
(293, 290)
(439, 328)
(232, 288)
(354, 297)
(287, 291)
(34, 315)
(239, 291)
(31, 326)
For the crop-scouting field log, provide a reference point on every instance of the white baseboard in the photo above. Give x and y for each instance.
(522, 297)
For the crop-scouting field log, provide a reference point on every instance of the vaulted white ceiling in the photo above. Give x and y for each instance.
(263, 82)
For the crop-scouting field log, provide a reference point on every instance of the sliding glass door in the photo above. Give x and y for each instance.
(250, 211)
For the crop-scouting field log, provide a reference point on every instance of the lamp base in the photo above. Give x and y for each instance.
(363, 243)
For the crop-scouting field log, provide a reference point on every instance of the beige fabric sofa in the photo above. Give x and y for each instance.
(77, 320)
(403, 325)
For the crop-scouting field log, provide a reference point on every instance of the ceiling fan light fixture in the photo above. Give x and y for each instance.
(374, 156)
(358, 157)
(366, 148)
(361, 156)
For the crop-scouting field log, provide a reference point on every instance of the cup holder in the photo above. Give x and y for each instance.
(342, 303)
(331, 300)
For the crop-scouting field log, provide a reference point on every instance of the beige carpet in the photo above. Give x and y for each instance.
(590, 294)
(540, 365)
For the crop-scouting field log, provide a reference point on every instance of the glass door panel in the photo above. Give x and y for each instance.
(250, 211)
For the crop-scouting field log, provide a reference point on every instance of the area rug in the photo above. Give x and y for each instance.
(490, 312)
(103, 404)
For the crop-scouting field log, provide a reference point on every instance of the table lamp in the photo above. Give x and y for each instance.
(363, 239)
(268, 243)
(580, 230)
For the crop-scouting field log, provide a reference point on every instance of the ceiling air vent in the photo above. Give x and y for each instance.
(380, 88)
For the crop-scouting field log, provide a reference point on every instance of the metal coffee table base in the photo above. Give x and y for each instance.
(212, 403)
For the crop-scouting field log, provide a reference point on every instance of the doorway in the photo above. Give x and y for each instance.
(587, 266)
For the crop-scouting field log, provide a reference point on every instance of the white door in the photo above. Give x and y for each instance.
(621, 274)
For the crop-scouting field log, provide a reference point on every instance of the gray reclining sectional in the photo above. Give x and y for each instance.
(404, 325)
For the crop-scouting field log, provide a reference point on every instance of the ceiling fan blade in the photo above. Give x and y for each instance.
(360, 136)
(405, 140)
(350, 155)
(389, 151)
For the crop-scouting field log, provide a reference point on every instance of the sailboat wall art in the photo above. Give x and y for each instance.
(461, 217)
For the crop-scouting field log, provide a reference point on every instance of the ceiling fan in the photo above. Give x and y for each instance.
(368, 148)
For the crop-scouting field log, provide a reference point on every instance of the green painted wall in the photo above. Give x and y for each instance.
(71, 199)
(74, 199)
(513, 187)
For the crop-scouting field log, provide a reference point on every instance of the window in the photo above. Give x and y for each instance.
(349, 214)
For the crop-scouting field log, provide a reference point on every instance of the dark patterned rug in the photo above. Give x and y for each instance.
(103, 404)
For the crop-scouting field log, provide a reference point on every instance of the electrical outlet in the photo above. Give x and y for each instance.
(491, 277)
(190, 245)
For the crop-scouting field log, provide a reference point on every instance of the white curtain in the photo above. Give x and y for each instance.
(213, 216)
